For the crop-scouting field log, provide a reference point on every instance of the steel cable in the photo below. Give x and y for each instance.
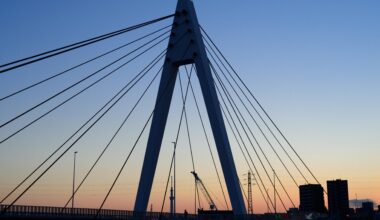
(81, 64)
(87, 77)
(76, 45)
(262, 108)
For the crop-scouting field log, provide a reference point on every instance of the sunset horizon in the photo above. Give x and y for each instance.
(115, 104)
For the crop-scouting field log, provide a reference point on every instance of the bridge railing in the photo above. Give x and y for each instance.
(50, 211)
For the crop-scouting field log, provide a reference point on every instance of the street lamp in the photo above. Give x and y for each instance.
(72, 200)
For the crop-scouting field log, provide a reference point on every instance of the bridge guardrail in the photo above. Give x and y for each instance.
(51, 211)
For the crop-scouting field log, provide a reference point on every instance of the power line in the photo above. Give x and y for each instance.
(80, 44)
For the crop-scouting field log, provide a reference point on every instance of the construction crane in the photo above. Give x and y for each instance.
(199, 183)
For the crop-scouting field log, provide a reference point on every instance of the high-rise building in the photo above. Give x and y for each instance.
(337, 192)
(311, 198)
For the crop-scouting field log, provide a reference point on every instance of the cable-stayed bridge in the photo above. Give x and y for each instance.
(230, 118)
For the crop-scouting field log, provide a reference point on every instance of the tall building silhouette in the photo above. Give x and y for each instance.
(337, 191)
(311, 198)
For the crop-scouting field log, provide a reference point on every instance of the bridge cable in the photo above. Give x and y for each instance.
(189, 139)
(254, 120)
(67, 149)
(80, 44)
(262, 108)
(262, 119)
(130, 153)
(83, 63)
(77, 131)
(264, 153)
(241, 124)
(252, 133)
(235, 107)
(242, 189)
(223, 193)
(175, 146)
(122, 168)
(241, 149)
(126, 160)
(154, 60)
(209, 146)
(186, 121)
(224, 110)
(249, 129)
(87, 77)
(195, 182)
(207, 140)
(60, 156)
(197, 196)
(118, 130)
(177, 135)
(246, 150)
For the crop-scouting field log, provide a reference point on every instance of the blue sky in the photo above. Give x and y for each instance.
(314, 65)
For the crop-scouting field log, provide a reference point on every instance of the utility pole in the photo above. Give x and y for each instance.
(250, 204)
(72, 200)
(174, 190)
(171, 198)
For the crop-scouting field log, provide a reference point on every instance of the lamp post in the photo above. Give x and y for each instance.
(174, 203)
(72, 200)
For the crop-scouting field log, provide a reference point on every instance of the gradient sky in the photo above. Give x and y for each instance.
(314, 65)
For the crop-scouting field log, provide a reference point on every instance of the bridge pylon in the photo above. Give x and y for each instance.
(186, 47)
